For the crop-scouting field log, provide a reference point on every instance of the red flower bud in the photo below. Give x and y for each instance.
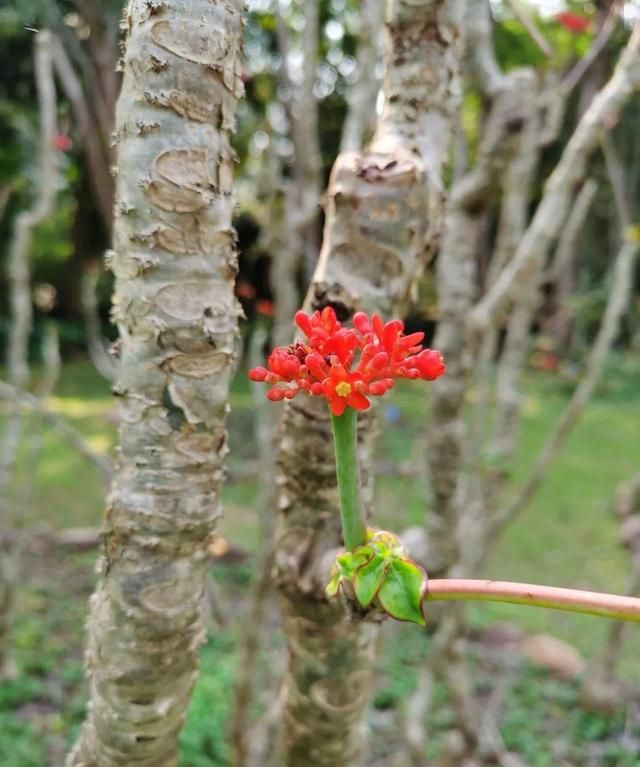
(345, 365)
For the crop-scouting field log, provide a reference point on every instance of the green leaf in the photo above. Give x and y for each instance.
(334, 584)
(402, 591)
(367, 580)
(385, 544)
(350, 561)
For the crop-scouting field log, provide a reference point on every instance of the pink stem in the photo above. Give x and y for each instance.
(573, 600)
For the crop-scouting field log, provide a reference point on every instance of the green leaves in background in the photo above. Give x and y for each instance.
(404, 587)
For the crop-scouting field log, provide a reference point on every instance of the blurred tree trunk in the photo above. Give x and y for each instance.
(175, 264)
(361, 98)
(468, 508)
(512, 100)
(302, 193)
(21, 318)
(383, 219)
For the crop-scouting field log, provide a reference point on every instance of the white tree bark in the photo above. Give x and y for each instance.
(175, 265)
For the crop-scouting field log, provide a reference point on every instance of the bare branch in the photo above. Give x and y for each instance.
(529, 24)
(31, 403)
(97, 156)
(616, 174)
(569, 238)
(616, 305)
(482, 64)
(103, 362)
(5, 194)
(556, 200)
(573, 77)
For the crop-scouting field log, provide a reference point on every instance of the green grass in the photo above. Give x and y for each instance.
(566, 536)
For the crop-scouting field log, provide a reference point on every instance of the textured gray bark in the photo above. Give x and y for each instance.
(175, 265)
(383, 218)
(21, 316)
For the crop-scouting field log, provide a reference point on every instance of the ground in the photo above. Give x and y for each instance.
(567, 536)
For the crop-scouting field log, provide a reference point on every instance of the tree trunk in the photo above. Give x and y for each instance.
(175, 264)
(383, 218)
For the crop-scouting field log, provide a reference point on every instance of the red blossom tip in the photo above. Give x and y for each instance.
(346, 365)
(303, 321)
(259, 375)
(574, 22)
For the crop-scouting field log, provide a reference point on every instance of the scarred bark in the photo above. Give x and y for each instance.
(175, 264)
(383, 218)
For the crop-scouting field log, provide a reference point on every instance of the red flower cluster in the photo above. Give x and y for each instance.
(61, 142)
(573, 21)
(324, 365)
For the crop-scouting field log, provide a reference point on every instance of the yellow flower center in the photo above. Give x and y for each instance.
(343, 389)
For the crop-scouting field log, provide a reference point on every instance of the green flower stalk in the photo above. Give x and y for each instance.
(345, 429)
(375, 570)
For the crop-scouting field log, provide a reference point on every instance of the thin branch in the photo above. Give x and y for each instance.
(573, 77)
(482, 64)
(569, 238)
(556, 200)
(34, 404)
(529, 24)
(618, 300)
(240, 731)
(97, 156)
(571, 600)
(103, 362)
(616, 174)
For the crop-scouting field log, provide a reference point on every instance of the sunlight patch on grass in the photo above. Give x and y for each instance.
(101, 443)
(76, 407)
